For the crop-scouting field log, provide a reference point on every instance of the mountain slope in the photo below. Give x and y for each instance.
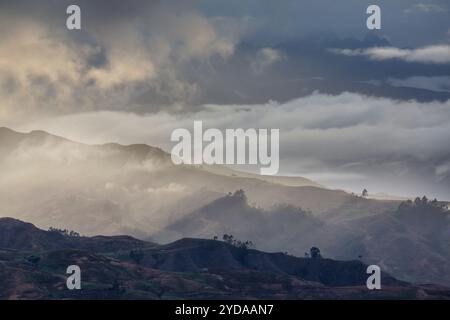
(194, 255)
(118, 189)
(22, 236)
(185, 269)
(410, 243)
(113, 189)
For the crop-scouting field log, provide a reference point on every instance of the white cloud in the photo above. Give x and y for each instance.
(438, 54)
(264, 58)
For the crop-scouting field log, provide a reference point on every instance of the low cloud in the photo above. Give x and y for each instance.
(390, 145)
(438, 54)
(264, 58)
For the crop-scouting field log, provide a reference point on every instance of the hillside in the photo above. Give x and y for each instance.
(194, 255)
(113, 189)
(22, 236)
(118, 188)
(411, 243)
(185, 269)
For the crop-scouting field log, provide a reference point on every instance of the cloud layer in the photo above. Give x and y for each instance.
(347, 140)
(439, 54)
(438, 84)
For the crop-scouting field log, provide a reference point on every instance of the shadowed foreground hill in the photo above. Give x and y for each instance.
(33, 265)
(22, 236)
(196, 255)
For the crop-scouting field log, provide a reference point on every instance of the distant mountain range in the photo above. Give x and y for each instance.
(33, 265)
(113, 189)
(410, 242)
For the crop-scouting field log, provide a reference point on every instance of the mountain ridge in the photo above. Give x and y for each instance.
(185, 269)
(136, 190)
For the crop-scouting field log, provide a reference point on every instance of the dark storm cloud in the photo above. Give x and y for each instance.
(145, 56)
(163, 60)
(124, 51)
(305, 65)
(404, 22)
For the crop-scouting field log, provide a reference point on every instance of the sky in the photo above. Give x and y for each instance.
(356, 108)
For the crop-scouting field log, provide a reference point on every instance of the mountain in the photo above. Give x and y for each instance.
(291, 228)
(411, 242)
(195, 255)
(22, 236)
(118, 189)
(32, 268)
(113, 189)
